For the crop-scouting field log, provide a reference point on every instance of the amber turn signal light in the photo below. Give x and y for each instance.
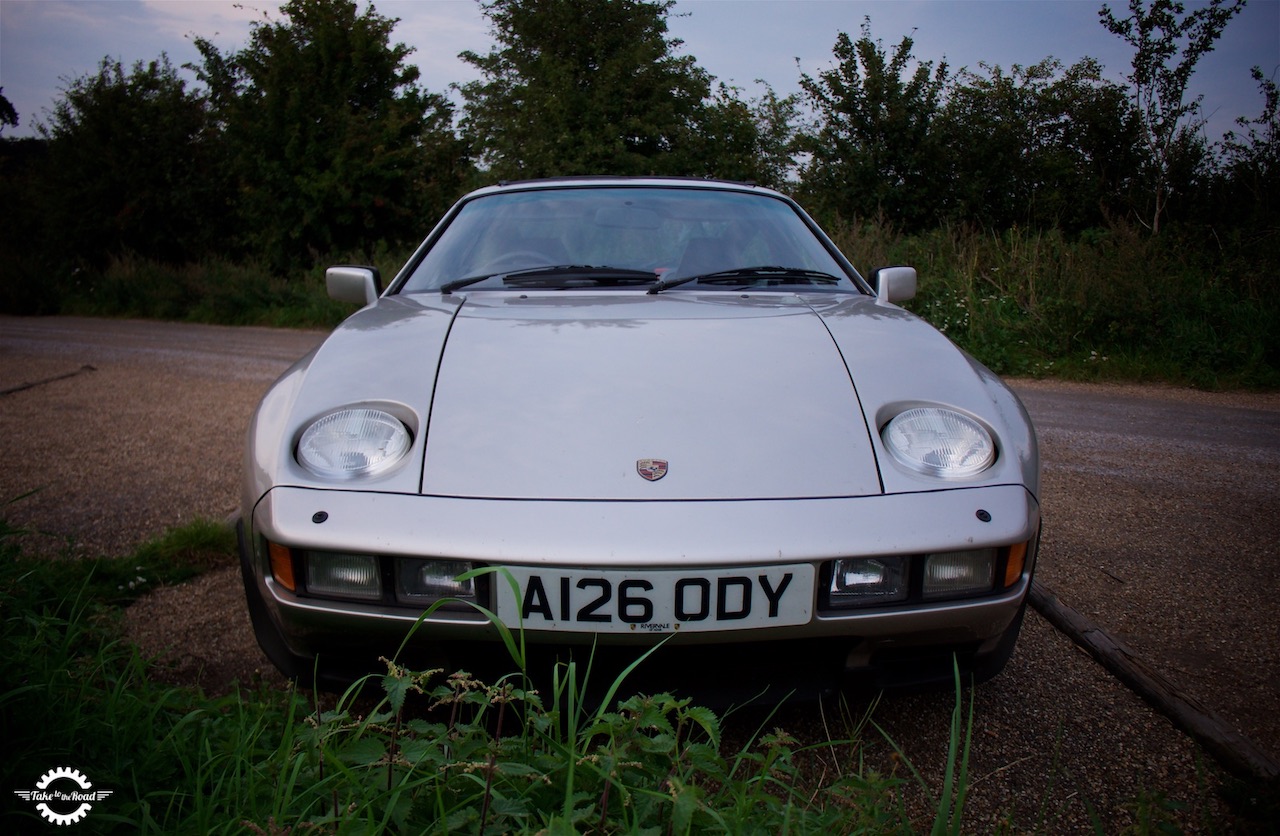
(1016, 563)
(282, 565)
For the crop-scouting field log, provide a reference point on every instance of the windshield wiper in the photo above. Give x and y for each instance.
(561, 275)
(578, 275)
(458, 284)
(770, 274)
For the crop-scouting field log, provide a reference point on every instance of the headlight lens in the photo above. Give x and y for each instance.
(958, 574)
(868, 581)
(344, 576)
(911, 580)
(353, 442)
(939, 442)
(426, 581)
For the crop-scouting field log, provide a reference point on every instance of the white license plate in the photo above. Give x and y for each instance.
(656, 601)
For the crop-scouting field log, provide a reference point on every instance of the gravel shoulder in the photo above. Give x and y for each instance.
(1159, 525)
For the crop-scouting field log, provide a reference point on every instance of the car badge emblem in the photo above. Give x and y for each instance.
(651, 469)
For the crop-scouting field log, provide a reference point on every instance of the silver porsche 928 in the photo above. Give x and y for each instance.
(648, 410)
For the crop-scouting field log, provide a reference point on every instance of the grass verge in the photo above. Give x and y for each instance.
(432, 753)
(1107, 304)
(412, 750)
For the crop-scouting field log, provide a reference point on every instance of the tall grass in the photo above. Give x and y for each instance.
(1110, 304)
(1186, 308)
(213, 292)
(429, 753)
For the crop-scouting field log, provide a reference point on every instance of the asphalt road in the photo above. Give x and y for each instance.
(1160, 525)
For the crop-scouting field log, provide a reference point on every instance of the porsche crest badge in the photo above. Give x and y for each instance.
(651, 469)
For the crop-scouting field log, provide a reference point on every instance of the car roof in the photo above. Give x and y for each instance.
(589, 181)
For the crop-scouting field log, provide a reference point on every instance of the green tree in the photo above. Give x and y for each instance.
(776, 119)
(333, 145)
(1240, 210)
(130, 166)
(26, 286)
(595, 87)
(1168, 42)
(1252, 159)
(748, 140)
(8, 116)
(1039, 145)
(874, 148)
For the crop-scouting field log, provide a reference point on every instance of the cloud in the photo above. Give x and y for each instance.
(171, 20)
(738, 41)
(438, 31)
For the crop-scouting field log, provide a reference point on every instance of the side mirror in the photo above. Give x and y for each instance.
(357, 285)
(894, 284)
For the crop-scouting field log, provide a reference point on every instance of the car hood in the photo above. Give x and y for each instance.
(547, 395)
(554, 396)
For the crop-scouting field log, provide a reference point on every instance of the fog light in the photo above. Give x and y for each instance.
(425, 581)
(867, 581)
(956, 574)
(344, 575)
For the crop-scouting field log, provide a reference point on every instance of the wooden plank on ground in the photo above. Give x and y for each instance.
(1237, 753)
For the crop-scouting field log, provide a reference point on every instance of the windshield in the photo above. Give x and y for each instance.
(619, 237)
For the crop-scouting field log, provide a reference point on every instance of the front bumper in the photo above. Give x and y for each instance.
(639, 535)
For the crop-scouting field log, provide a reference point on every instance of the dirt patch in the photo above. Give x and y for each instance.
(199, 634)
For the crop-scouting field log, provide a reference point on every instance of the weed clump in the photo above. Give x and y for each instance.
(429, 753)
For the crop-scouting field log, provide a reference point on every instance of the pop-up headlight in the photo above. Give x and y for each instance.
(939, 442)
(353, 442)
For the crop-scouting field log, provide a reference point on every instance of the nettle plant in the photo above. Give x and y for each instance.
(497, 759)
(493, 758)
(427, 753)
(449, 753)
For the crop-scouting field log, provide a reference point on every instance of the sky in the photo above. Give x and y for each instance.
(46, 43)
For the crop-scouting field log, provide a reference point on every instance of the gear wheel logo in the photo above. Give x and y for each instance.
(63, 795)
